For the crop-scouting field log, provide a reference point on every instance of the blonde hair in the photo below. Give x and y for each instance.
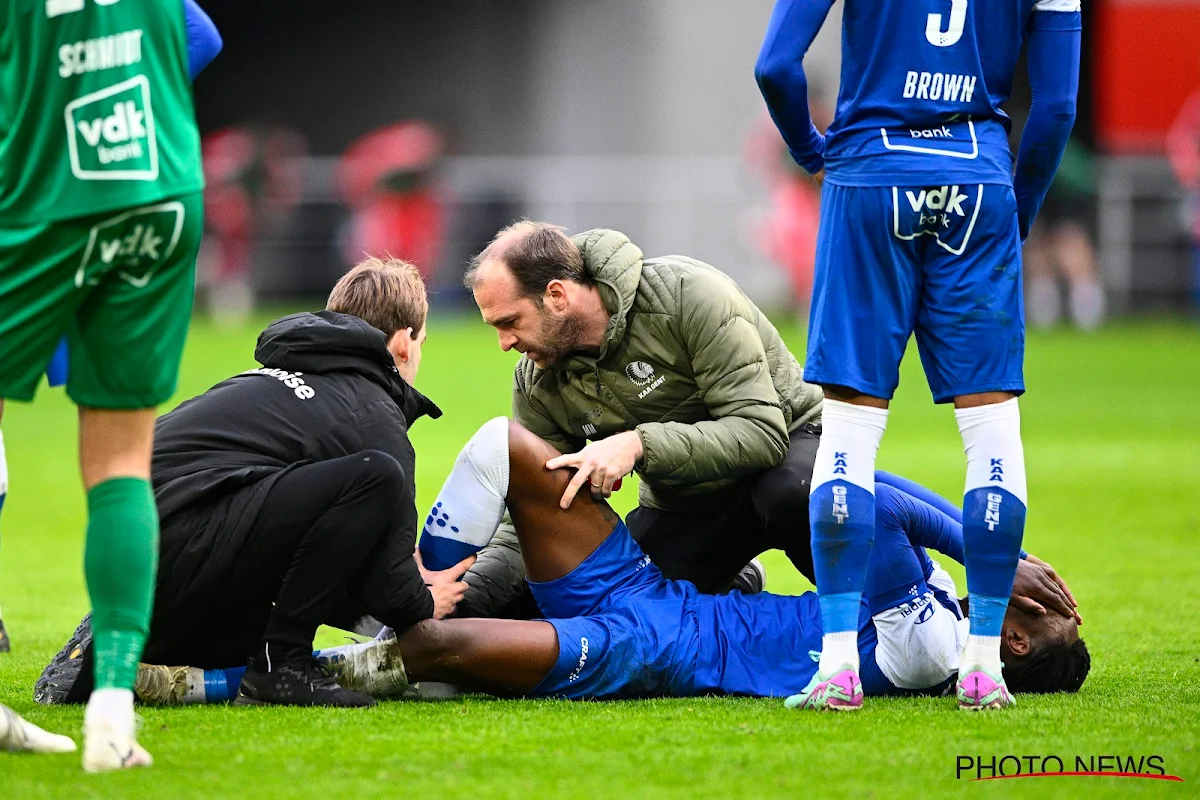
(387, 293)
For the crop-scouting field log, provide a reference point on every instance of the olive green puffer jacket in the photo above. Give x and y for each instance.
(688, 362)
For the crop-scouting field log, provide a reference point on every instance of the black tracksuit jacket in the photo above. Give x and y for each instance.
(328, 388)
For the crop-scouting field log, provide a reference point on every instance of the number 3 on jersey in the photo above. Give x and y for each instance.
(945, 38)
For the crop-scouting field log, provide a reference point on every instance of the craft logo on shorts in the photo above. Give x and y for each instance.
(110, 133)
(583, 656)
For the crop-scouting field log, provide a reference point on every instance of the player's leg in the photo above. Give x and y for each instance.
(971, 335)
(126, 343)
(505, 464)
(780, 498)
(862, 315)
(493, 655)
(120, 562)
(314, 534)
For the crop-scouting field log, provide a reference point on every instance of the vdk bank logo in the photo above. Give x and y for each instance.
(110, 133)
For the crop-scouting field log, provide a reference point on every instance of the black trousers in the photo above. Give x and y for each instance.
(311, 540)
(769, 512)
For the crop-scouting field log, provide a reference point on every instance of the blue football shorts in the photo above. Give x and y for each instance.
(943, 262)
(626, 631)
(623, 629)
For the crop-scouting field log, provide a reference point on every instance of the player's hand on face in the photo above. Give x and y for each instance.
(601, 464)
(1062, 584)
(1036, 590)
(446, 585)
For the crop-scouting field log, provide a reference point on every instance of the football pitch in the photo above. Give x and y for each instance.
(1112, 436)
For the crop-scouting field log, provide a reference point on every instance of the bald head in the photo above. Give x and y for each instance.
(534, 253)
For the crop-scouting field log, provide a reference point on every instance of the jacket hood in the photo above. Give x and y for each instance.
(326, 342)
(615, 264)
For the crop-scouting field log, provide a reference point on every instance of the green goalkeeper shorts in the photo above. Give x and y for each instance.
(118, 284)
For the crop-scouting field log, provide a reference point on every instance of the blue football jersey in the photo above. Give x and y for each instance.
(922, 86)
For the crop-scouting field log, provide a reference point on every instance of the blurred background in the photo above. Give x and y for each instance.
(420, 127)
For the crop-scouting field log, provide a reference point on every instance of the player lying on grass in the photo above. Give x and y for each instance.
(617, 628)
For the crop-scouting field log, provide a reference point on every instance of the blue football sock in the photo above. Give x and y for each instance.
(221, 685)
(993, 522)
(843, 529)
(842, 517)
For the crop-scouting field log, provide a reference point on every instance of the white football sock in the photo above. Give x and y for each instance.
(469, 506)
(115, 706)
(981, 652)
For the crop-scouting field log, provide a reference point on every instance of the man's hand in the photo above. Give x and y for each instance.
(1062, 584)
(601, 464)
(1038, 587)
(820, 177)
(445, 585)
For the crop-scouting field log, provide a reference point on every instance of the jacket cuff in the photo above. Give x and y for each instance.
(640, 464)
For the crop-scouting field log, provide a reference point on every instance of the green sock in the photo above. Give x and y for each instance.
(120, 562)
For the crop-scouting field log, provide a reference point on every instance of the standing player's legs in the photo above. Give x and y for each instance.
(971, 334)
(126, 341)
(862, 315)
(120, 562)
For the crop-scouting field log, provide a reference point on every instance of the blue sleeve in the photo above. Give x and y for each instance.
(203, 39)
(925, 496)
(921, 493)
(780, 75)
(1053, 55)
(58, 369)
(896, 566)
(925, 525)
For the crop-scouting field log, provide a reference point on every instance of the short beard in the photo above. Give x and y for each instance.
(560, 338)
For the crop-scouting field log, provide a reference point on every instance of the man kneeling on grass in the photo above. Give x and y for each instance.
(619, 629)
(287, 500)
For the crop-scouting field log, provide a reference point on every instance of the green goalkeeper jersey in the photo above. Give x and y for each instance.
(95, 107)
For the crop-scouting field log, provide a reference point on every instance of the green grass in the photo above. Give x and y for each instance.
(1112, 433)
